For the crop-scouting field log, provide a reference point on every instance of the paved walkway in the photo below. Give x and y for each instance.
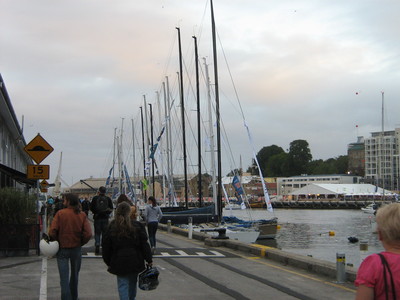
(189, 270)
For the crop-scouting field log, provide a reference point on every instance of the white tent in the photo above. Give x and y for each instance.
(343, 190)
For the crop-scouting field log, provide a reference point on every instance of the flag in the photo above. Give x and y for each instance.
(145, 184)
(236, 184)
(129, 184)
(109, 176)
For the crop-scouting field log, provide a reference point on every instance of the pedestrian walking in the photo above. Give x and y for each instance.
(85, 206)
(101, 207)
(125, 249)
(71, 228)
(152, 215)
(378, 276)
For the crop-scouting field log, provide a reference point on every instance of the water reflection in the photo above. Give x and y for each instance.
(306, 232)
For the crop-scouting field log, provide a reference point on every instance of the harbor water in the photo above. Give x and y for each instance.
(320, 233)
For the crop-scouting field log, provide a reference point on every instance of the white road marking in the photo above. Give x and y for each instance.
(43, 280)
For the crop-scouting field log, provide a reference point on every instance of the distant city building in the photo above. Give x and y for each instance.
(13, 158)
(356, 157)
(382, 159)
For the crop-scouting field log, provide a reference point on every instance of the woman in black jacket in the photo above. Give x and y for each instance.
(125, 250)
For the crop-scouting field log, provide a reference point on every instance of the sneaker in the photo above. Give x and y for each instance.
(97, 251)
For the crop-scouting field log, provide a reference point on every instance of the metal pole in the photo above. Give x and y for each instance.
(190, 233)
(144, 192)
(200, 187)
(152, 148)
(340, 267)
(183, 117)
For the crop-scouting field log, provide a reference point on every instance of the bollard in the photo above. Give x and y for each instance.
(363, 250)
(340, 267)
(169, 226)
(190, 233)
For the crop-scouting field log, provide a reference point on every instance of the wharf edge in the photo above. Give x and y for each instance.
(310, 264)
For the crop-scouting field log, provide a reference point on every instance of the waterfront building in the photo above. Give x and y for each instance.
(13, 158)
(286, 185)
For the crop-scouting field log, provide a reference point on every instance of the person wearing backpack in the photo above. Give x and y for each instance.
(101, 207)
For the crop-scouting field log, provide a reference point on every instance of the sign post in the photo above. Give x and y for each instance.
(38, 149)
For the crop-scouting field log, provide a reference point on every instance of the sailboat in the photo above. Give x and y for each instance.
(213, 213)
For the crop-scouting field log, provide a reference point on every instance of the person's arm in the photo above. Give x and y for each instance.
(160, 215)
(110, 204)
(87, 231)
(92, 205)
(53, 231)
(148, 257)
(364, 293)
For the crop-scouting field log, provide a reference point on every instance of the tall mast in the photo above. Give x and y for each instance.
(169, 144)
(198, 121)
(57, 181)
(167, 138)
(211, 133)
(219, 167)
(383, 149)
(152, 148)
(144, 156)
(120, 160)
(134, 160)
(160, 126)
(183, 117)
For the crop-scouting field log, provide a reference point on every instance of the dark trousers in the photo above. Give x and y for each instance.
(100, 227)
(152, 229)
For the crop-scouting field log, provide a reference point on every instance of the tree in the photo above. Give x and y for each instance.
(275, 167)
(298, 157)
(264, 156)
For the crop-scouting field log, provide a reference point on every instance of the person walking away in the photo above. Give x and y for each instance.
(58, 205)
(71, 228)
(101, 207)
(378, 276)
(152, 215)
(85, 206)
(125, 250)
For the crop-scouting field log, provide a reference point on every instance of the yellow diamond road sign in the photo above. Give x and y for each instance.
(38, 149)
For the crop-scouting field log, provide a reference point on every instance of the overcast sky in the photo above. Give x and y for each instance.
(304, 69)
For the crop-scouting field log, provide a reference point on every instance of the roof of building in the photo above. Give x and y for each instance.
(340, 189)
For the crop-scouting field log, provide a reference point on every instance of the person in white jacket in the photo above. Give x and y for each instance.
(152, 215)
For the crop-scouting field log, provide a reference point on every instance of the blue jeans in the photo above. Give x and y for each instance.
(69, 284)
(127, 286)
(152, 229)
(100, 227)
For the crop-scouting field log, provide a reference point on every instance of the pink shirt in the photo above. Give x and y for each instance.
(370, 274)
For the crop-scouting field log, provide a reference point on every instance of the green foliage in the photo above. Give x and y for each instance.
(16, 207)
(275, 162)
(265, 155)
(276, 166)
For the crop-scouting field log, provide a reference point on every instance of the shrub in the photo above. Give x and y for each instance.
(16, 207)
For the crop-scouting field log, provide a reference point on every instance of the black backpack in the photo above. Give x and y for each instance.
(102, 205)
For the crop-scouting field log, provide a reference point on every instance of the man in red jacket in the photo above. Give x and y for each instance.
(71, 228)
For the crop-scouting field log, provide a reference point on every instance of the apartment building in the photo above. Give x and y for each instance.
(382, 165)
